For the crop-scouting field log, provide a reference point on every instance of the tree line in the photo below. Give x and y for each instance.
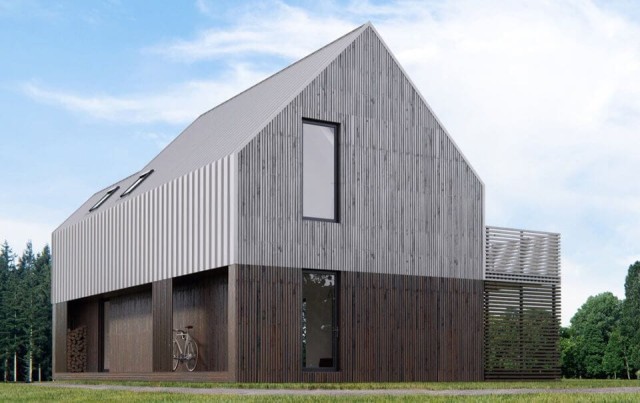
(603, 340)
(25, 314)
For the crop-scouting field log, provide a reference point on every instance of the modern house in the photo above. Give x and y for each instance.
(320, 226)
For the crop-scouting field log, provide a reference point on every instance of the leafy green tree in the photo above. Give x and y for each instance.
(614, 360)
(569, 363)
(593, 325)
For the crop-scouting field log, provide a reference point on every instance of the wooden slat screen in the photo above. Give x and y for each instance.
(521, 330)
(522, 255)
(521, 304)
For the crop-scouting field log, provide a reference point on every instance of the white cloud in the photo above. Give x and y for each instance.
(179, 105)
(275, 29)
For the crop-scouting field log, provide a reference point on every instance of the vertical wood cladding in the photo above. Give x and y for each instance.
(184, 226)
(201, 301)
(130, 333)
(409, 202)
(59, 352)
(392, 327)
(162, 312)
(522, 322)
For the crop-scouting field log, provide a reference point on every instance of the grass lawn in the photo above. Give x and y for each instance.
(25, 392)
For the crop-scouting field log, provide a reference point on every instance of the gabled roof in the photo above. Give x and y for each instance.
(226, 128)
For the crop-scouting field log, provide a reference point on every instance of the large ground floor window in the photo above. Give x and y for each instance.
(319, 321)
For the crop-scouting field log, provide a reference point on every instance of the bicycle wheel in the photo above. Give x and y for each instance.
(191, 355)
(176, 355)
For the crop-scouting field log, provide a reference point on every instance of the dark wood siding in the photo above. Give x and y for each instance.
(59, 338)
(147, 376)
(392, 327)
(409, 202)
(130, 333)
(200, 301)
(162, 308)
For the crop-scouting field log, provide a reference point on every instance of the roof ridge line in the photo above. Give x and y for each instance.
(282, 70)
(313, 76)
(248, 89)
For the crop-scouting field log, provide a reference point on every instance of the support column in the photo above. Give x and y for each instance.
(162, 312)
(232, 339)
(59, 330)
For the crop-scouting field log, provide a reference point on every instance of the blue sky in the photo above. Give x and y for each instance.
(543, 98)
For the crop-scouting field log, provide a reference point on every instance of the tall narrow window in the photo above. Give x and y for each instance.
(104, 198)
(319, 321)
(319, 171)
(137, 183)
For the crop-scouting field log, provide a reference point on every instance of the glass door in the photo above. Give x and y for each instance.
(319, 321)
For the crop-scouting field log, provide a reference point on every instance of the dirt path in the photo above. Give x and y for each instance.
(339, 392)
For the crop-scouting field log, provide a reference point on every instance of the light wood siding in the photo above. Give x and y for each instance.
(182, 227)
(438, 339)
(409, 203)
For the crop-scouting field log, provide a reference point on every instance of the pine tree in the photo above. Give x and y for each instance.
(43, 316)
(27, 308)
(631, 315)
(7, 266)
(25, 313)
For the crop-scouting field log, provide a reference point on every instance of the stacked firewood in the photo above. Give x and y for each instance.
(77, 349)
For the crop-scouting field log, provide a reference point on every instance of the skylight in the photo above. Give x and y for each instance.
(137, 183)
(104, 198)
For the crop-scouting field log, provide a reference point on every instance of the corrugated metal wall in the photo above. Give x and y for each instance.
(409, 202)
(185, 226)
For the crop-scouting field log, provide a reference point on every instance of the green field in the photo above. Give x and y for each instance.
(25, 392)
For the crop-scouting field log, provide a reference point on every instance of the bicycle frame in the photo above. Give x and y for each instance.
(187, 349)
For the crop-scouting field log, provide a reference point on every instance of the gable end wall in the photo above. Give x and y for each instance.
(409, 203)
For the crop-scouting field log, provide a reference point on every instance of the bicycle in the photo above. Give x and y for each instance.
(187, 351)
